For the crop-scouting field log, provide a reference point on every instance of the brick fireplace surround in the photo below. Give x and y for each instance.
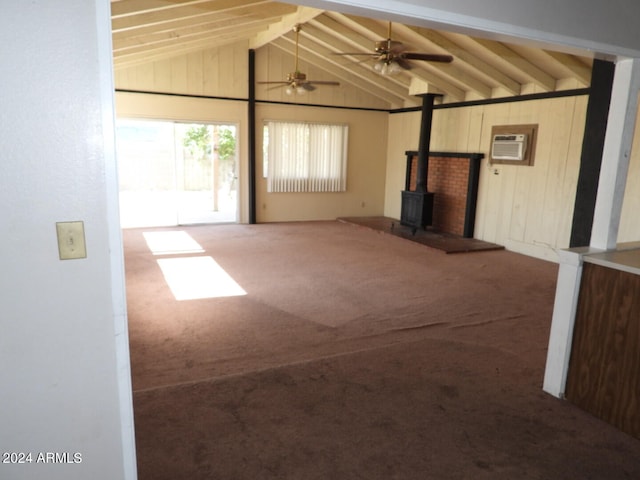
(453, 178)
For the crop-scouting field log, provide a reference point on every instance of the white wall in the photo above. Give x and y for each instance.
(65, 383)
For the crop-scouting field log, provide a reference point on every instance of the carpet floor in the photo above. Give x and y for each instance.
(352, 355)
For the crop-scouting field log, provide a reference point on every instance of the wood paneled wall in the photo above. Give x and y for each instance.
(526, 209)
(529, 209)
(216, 72)
(223, 72)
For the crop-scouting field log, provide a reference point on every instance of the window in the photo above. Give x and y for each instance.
(174, 173)
(305, 157)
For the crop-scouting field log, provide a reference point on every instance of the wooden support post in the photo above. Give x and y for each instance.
(616, 154)
(591, 156)
(251, 118)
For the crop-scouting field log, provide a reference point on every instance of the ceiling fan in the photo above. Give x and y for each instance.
(390, 56)
(296, 81)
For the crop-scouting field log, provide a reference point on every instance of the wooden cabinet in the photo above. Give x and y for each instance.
(604, 369)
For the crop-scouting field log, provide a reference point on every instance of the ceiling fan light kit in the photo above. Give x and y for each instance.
(297, 91)
(387, 67)
(296, 83)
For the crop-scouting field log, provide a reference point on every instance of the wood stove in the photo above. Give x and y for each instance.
(416, 210)
(417, 206)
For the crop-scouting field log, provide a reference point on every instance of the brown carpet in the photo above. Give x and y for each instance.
(354, 355)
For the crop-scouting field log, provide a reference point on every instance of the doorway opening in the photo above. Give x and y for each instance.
(174, 173)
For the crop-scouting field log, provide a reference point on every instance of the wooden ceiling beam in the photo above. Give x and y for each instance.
(123, 8)
(575, 68)
(185, 11)
(150, 30)
(285, 25)
(469, 61)
(199, 36)
(213, 28)
(182, 25)
(366, 27)
(449, 71)
(331, 24)
(503, 54)
(130, 58)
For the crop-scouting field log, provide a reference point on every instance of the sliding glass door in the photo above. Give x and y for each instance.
(176, 173)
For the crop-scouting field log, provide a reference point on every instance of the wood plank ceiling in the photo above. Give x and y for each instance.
(149, 30)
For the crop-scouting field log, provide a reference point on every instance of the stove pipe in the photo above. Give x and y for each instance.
(425, 140)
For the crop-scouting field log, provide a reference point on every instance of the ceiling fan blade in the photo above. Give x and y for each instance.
(356, 53)
(277, 86)
(321, 82)
(428, 57)
(273, 82)
(403, 63)
(308, 87)
(375, 58)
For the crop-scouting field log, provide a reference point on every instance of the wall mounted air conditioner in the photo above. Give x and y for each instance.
(509, 147)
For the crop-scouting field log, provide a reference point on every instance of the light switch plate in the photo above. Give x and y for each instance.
(71, 240)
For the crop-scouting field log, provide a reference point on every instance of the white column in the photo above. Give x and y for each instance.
(604, 236)
(116, 258)
(616, 153)
(564, 313)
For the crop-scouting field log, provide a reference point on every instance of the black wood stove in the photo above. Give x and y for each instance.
(417, 205)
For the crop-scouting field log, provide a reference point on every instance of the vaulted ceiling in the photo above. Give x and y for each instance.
(149, 30)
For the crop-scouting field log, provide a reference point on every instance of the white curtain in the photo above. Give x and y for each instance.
(306, 157)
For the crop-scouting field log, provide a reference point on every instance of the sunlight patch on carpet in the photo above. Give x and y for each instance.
(171, 242)
(192, 278)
